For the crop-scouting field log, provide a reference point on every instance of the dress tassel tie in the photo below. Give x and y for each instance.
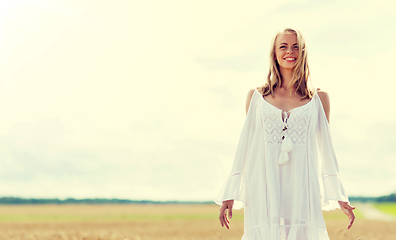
(287, 144)
(286, 147)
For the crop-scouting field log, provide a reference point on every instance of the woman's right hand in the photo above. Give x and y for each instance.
(227, 205)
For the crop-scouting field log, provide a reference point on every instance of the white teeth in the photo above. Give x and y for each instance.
(290, 58)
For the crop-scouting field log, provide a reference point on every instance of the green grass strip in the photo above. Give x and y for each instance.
(389, 208)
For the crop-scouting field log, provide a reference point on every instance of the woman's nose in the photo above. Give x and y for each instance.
(290, 50)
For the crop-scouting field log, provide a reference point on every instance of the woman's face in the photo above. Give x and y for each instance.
(286, 50)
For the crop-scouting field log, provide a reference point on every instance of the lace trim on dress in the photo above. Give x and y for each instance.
(296, 122)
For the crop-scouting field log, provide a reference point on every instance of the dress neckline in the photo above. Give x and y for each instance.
(284, 111)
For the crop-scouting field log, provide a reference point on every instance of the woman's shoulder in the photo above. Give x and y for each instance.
(250, 95)
(324, 98)
(323, 95)
(259, 89)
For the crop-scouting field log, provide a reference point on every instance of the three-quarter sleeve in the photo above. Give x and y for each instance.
(235, 186)
(333, 190)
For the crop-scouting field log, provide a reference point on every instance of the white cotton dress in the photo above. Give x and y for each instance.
(283, 194)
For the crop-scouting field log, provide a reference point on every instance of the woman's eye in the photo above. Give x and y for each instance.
(283, 47)
(295, 47)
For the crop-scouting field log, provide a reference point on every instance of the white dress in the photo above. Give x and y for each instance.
(284, 190)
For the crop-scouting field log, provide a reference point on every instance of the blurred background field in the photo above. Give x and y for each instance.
(145, 100)
(157, 221)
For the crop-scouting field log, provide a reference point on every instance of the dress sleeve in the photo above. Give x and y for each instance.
(333, 190)
(235, 185)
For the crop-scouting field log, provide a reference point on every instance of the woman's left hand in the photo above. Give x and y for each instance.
(348, 210)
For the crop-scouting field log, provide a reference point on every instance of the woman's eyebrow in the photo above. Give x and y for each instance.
(286, 43)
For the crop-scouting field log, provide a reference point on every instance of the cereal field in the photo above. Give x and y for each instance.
(149, 222)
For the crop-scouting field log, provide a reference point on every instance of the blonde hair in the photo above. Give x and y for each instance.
(300, 70)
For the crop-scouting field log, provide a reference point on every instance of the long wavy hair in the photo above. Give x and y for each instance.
(300, 71)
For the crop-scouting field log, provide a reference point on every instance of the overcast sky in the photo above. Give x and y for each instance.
(145, 99)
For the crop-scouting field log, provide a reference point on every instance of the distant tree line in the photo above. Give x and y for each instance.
(16, 200)
(388, 198)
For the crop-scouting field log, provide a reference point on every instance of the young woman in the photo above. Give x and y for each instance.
(285, 170)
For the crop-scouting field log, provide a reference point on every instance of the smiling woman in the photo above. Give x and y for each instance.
(289, 52)
(285, 170)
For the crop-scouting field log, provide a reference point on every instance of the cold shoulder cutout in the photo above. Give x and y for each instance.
(325, 100)
(249, 96)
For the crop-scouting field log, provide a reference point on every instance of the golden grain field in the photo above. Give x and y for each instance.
(149, 222)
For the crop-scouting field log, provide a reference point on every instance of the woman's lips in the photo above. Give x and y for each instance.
(291, 59)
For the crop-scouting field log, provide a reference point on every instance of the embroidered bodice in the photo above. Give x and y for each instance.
(296, 121)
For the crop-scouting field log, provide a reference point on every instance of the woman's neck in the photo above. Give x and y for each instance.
(287, 75)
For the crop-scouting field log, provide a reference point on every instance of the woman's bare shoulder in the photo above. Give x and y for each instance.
(251, 91)
(250, 94)
(325, 99)
(324, 96)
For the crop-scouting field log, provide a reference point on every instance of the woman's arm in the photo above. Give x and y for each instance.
(227, 205)
(345, 206)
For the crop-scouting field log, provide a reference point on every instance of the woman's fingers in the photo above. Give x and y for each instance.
(347, 208)
(223, 218)
(351, 218)
(226, 218)
(226, 221)
(350, 223)
(223, 221)
(230, 212)
(350, 213)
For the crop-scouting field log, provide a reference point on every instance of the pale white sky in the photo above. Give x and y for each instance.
(145, 99)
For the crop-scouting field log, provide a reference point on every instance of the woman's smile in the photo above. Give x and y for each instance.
(290, 59)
